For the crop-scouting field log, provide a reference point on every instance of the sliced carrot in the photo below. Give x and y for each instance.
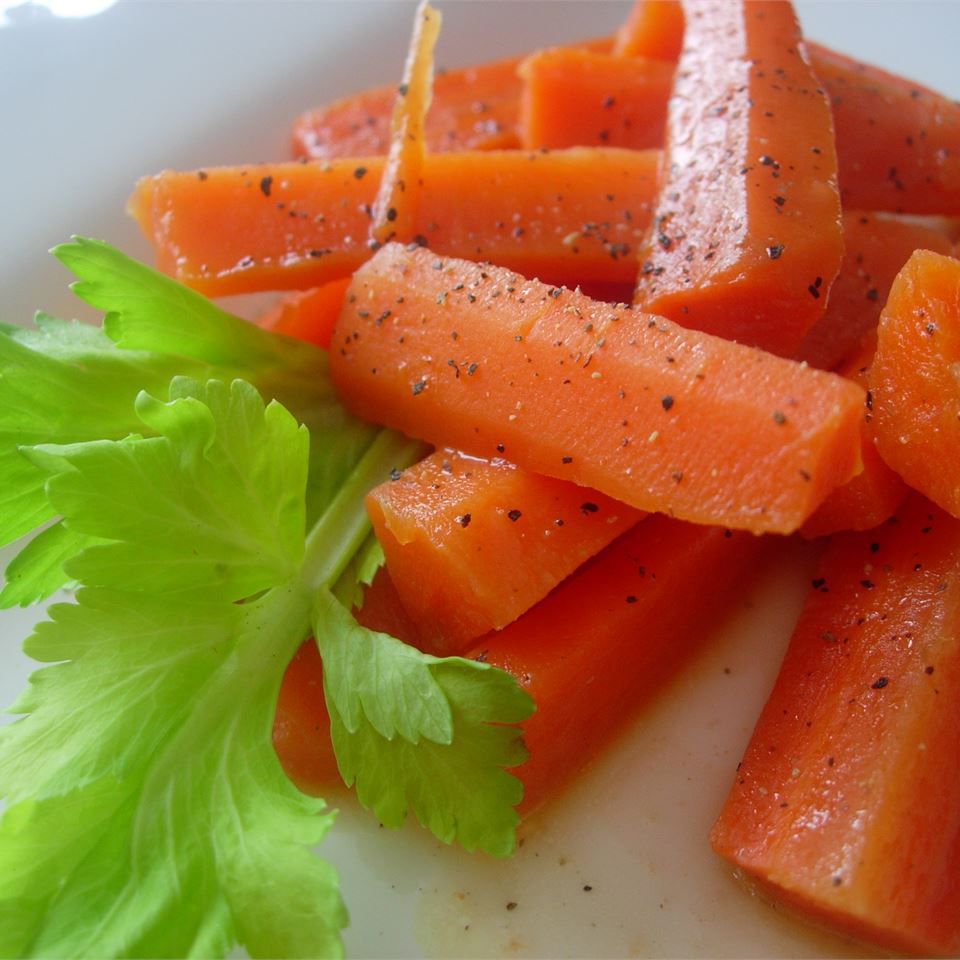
(570, 216)
(308, 314)
(397, 202)
(875, 248)
(874, 494)
(591, 653)
(471, 544)
(746, 238)
(899, 142)
(474, 108)
(653, 28)
(914, 385)
(846, 805)
(479, 359)
(592, 99)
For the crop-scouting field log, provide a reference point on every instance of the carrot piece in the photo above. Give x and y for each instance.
(473, 108)
(398, 199)
(875, 248)
(308, 314)
(872, 495)
(592, 99)
(746, 239)
(567, 216)
(653, 28)
(846, 805)
(591, 653)
(913, 380)
(900, 142)
(660, 417)
(471, 544)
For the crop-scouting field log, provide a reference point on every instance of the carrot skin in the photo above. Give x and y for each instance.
(846, 806)
(472, 544)
(746, 239)
(913, 381)
(567, 216)
(653, 29)
(603, 395)
(308, 314)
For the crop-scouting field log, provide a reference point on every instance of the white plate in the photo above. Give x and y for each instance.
(89, 104)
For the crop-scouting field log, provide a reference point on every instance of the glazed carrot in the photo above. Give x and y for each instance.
(591, 99)
(875, 248)
(308, 314)
(653, 28)
(474, 108)
(591, 653)
(899, 142)
(872, 495)
(746, 239)
(398, 198)
(846, 805)
(570, 216)
(913, 379)
(666, 419)
(471, 544)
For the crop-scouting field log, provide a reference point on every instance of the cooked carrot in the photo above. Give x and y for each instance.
(471, 544)
(591, 653)
(875, 248)
(479, 359)
(397, 202)
(846, 805)
(914, 389)
(872, 495)
(581, 97)
(899, 142)
(473, 108)
(746, 238)
(570, 216)
(308, 314)
(653, 28)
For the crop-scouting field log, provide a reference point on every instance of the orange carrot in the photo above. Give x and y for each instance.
(398, 199)
(746, 238)
(471, 544)
(875, 248)
(591, 99)
(479, 359)
(653, 28)
(308, 314)
(872, 495)
(567, 216)
(846, 806)
(591, 653)
(913, 379)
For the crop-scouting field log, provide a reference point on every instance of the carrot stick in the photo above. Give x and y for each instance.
(660, 417)
(653, 28)
(471, 544)
(913, 379)
(398, 199)
(567, 216)
(591, 653)
(875, 248)
(746, 238)
(846, 806)
(874, 494)
(308, 314)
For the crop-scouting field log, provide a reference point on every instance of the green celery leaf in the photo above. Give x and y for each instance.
(147, 813)
(421, 733)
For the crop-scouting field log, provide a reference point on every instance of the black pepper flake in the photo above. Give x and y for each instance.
(566, 459)
(867, 584)
(779, 201)
(265, 184)
(464, 520)
(391, 213)
(202, 174)
(419, 387)
(403, 89)
(383, 316)
(394, 474)
(512, 905)
(779, 417)
(631, 599)
(514, 515)
(360, 172)
(774, 251)
(814, 288)
(879, 683)
(472, 369)
(587, 888)
(500, 448)
(928, 670)
(873, 294)
(666, 401)
(819, 583)
(588, 507)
